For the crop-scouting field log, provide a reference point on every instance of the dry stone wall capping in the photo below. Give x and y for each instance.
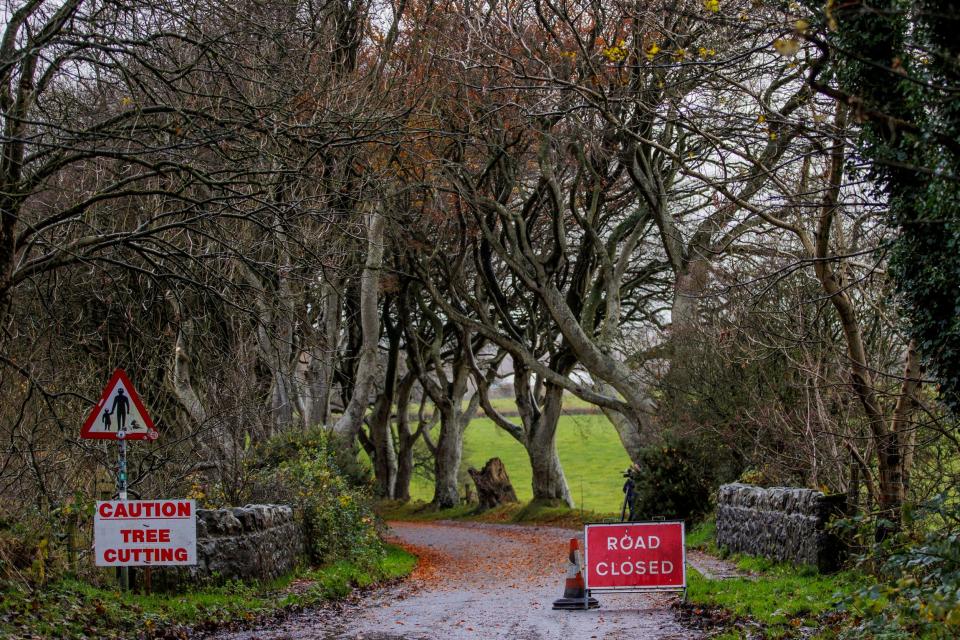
(255, 542)
(780, 523)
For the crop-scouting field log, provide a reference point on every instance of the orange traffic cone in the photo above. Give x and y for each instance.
(574, 590)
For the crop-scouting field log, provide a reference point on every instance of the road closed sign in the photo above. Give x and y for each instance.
(635, 555)
(145, 533)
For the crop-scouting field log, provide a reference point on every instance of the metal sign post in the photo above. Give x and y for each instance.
(140, 533)
(122, 469)
(122, 495)
(120, 415)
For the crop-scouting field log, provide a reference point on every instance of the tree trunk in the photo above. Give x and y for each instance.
(539, 430)
(890, 500)
(318, 373)
(906, 403)
(8, 250)
(384, 455)
(331, 346)
(311, 387)
(281, 401)
(447, 393)
(180, 376)
(454, 420)
(549, 481)
(447, 460)
(686, 303)
(405, 439)
(853, 488)
(285, 388)
(345, 430)
(216, 444)
(275, 346)
(540, 437)
(493, 484)
(602, 366)
(628, 431)
(890, 439)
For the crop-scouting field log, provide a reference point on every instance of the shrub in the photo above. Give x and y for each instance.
(39, 546)
(678, 479)
(918, 588)
(337, 518)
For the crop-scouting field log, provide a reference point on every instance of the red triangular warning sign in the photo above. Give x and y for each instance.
(120, 414)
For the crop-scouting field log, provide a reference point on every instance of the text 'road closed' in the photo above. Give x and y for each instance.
(637, 555)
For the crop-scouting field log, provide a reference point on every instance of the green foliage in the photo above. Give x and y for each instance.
(421, 511)
(678, 479)
(289, 445)
(337, 580)
(19, 552)
(703, 536)
(734, 382)
(918, 593)
(37, 547)
(542, 511)
(298, 468)
(337, 518)
(773, 600)
(898, 61)
(338, 521)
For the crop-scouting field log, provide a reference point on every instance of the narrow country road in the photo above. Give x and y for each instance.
(482, 581)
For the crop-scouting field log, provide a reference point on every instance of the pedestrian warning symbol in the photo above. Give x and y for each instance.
(120, 414)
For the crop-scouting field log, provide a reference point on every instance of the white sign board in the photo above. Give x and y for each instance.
(145, 533)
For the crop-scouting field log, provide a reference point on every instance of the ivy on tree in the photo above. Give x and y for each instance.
(896, 64)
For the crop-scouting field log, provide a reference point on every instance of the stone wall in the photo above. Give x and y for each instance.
(258, 541)
(255, 542)
(780, 523)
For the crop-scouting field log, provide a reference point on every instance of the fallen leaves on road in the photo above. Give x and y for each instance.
(515, 557)
(429, 562)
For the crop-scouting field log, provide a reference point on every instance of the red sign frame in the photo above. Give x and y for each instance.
(633, 556)
(119, 375)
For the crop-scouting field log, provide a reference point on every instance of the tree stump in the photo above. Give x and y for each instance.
(493, 484)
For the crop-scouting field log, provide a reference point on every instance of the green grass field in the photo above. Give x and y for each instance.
(590, 452)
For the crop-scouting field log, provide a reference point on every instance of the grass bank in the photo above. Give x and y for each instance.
(776, 600)
(73, 609)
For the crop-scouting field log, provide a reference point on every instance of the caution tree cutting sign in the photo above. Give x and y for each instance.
(145, 533)
(119, 414)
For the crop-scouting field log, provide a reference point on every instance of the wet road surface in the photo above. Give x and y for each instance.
(480, 582)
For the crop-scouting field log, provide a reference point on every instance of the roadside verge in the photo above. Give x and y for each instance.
(72, 609)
